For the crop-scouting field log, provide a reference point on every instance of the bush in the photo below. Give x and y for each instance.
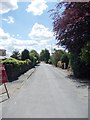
(65, 59)
(59, 64)
(15, 68)
(80, 69)
(49, 61)
(85, 54)
(56, 56)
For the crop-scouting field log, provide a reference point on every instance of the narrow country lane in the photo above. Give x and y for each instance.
(48, 93)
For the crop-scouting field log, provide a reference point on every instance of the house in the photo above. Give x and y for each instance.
(2, 52)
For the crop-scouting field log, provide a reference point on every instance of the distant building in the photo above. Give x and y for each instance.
(2, 52)
(3, 55)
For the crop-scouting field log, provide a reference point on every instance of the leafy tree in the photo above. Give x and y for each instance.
(42, 55)
(15, 54)
(33, 60)
(56, 56)
(71, 31)
(25, 54)
(34, 54)
(45, 55)
(71, 26)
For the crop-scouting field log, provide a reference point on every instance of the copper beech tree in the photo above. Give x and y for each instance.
(71, 24)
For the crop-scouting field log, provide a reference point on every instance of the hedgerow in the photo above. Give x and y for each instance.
(14, 68)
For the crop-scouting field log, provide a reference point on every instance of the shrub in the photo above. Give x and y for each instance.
(80, 69)
(49, 61)
(65, 59)
(85, 54)
(59, 64)
(15, 68)
(56, 56)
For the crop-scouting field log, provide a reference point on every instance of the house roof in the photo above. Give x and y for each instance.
(4, 57)
(2, 50)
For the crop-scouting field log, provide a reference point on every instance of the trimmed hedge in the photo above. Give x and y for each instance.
(14, 68)
(80, 69)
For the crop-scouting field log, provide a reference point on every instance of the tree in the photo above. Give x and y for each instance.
(34, 57)
(71, 31)
(56, 56)
(15, 54)
(34, 54)
(42, 55)
(25, 54)
(45, 55)
(71, 26)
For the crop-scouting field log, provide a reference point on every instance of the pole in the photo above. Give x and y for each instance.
(6, 90)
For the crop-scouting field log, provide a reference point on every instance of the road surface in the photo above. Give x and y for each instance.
(48, 93)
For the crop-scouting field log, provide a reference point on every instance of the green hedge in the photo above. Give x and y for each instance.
(80, 69)
(65, 59)
(14, 68)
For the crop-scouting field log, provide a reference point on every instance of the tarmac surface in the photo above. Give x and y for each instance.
(47, 93)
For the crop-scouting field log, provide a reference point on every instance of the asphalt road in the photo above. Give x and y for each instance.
(48, 93)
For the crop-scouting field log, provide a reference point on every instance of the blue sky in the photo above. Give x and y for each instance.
(26, 25)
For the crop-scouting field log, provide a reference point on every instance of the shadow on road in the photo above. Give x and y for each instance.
(81, 82)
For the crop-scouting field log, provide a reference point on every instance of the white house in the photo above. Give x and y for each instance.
(2, 52)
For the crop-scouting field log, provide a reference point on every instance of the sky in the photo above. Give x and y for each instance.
(26, 25)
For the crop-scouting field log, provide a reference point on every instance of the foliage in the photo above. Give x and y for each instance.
(59, 64)
(73, 32)
(34, 55)
(33, 59)
(11, 61)
(56, 56)
(80, 69)
(65, 59)
(49, 61)
(15, 54)
(25, 54)
(16, 62)
(15, 68)
(45, 55)
(85, 54)
(42, 55)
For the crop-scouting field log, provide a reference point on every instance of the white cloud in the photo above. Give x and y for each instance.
(37, 7)
(3, 35)
(9, 20)
(40, 32)
(40, 37)
(10, 43)
(8, 5)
